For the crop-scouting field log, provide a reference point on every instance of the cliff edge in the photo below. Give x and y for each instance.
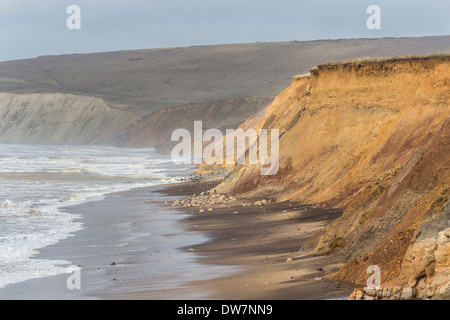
(372, 137)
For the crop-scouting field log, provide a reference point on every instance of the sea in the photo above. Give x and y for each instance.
(37, 181)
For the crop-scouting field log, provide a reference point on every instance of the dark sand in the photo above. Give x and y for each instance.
(230, 253)
(261, 239)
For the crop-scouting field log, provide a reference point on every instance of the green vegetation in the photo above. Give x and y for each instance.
(369, 60)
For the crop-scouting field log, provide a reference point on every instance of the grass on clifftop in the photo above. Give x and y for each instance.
(388, 59)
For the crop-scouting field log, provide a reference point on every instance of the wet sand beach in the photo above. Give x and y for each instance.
(128, 249)
(265, 242)
(135, 245)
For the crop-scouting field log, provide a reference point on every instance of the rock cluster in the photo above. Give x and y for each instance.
(426, 266)
(395, 293)
(263, 202)
(205, 199)
(217, 175)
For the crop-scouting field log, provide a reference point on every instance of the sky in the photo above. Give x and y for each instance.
(31, 28)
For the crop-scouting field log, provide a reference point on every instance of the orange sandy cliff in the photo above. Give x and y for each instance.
(372, 137)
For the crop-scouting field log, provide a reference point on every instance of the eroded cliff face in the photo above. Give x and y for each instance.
(62, 119)
(155, 130)
(372, 137)
(53, 118)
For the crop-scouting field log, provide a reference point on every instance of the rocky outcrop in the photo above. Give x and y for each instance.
(426, 266)
(372, 137)
(397, 293)
(62, 119)
(425, 269)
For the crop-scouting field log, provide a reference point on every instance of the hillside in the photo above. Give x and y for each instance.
(160, 90)
(155, 129)
(147, 80)
(371, 137)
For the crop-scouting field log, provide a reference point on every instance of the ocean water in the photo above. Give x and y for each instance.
(37, 181)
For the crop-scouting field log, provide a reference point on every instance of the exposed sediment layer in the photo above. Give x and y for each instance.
(52, 118)
(372, 137)
(155, 129)
(62, 119)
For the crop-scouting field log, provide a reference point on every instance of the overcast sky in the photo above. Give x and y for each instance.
(30, 28)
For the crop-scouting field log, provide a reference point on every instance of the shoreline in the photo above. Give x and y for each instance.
(213, 255)
(264, 241)
(128, 249)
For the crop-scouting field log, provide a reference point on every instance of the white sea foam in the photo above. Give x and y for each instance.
(37, 181)
(5, 204)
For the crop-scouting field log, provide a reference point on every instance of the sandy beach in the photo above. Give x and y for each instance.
(265, 242)
(135, 245)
